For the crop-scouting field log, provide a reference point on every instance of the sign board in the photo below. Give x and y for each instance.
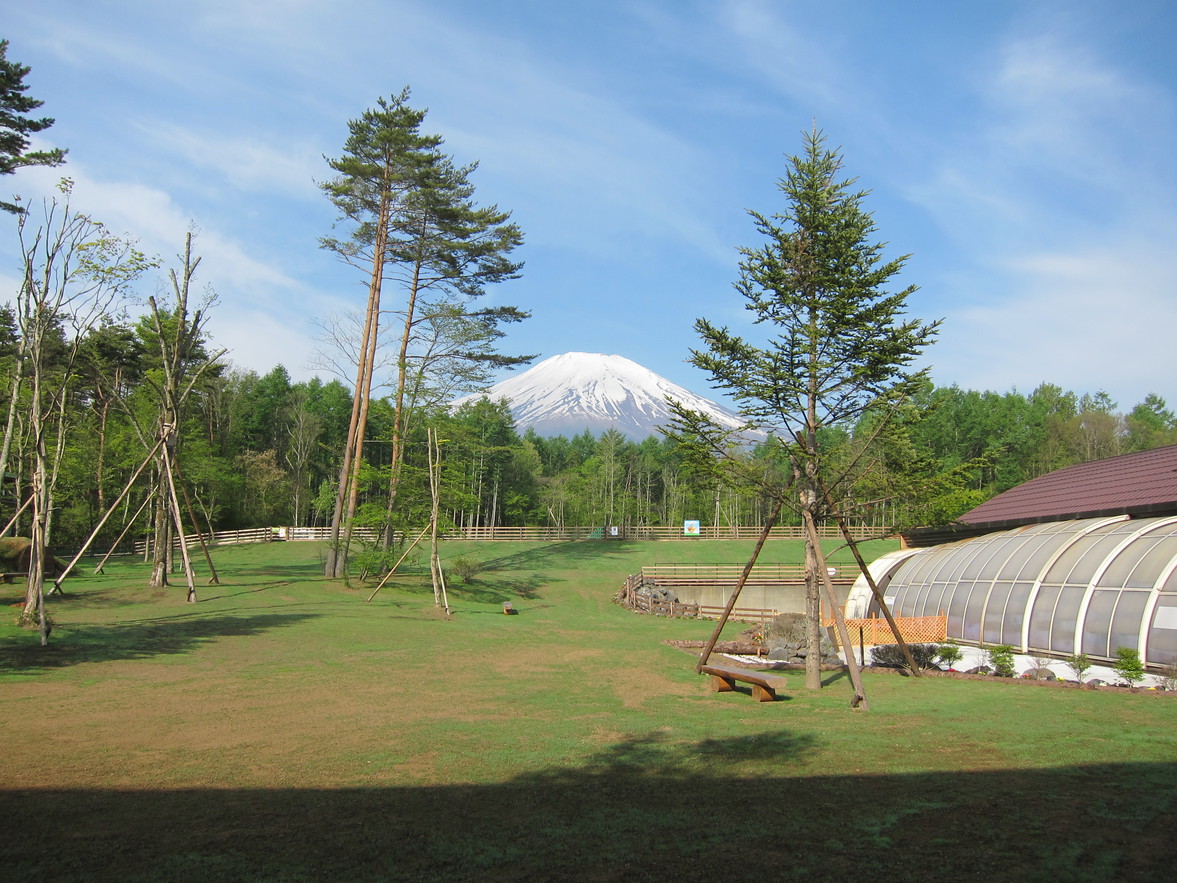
(691, 529)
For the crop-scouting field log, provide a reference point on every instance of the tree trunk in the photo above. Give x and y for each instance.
(813, 627)
(346, 495)
(161, 548)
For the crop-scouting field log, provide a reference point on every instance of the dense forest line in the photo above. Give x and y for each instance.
(264, 450)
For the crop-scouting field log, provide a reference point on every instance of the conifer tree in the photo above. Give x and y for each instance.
(16, 126)
(835, 343)
(414, 222)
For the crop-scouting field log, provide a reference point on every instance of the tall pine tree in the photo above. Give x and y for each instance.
(414, 222)
(16, 125)
(834, 345)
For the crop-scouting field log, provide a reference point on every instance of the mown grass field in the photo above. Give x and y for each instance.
(283, 728)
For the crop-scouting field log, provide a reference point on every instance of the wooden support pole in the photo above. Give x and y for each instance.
(870, 581)
(859, 698)
(175, 507)
(214, 580)
(109, 512)
(22, 508)
(126, 527)
(731, 602)
(420, 536)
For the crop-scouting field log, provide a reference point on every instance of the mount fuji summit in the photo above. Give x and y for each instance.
(567, 394)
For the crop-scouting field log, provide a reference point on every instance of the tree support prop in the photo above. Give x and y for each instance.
(859, 699)
(731, 602)
(870, 581)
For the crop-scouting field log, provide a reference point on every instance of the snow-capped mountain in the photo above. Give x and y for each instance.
(565, 395)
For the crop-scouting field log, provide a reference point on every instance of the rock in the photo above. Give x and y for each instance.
(1040, 674)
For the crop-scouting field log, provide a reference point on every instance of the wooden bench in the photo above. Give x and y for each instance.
(724, 677)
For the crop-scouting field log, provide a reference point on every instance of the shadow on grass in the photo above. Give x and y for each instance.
(639, 810)
(561, 555)
(133, 640)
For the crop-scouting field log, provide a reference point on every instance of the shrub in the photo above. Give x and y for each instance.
(1079, 664)
(1001, 658)
(1128, 665)
(890, 656)
(949, 654)
(466, 569)
(1169, 676)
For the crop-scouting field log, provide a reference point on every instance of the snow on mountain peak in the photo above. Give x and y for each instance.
(566, 394)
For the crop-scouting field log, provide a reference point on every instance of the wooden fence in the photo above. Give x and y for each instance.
(729, 574)
(522, 534)
(258, 535)
(915, 629)
(651, 532)
(644, 603)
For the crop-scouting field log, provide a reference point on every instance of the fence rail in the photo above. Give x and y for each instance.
(729, 574)
(522, 534)
(257, 535)
(653, 532)
(649, 604)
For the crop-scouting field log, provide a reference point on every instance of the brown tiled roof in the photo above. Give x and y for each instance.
(1131, 484)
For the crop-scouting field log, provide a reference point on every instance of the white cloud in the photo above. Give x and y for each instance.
(245, 162)
(1094, 319)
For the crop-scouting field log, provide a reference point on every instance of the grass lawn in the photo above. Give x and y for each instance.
(282, 728)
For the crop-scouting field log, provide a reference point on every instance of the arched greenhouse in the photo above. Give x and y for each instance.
(1089, 585)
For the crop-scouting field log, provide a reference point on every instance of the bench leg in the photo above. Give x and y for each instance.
(720, 684)
(763, 694)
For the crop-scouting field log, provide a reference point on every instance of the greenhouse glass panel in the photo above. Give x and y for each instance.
(1015, 565)
(949, 564)
(920, 597)
(1116, 573)
(913, 568)
(1153, 564)
(1098, 548)
(935, 602)
(897, 594)
(1015, 613)
(995, 612)
(973, 610)
(960, 597)
(1098, 622)
(1126, 620)
(1042, 555)
(1162, 634)
(1042, 616)
(1002, 549)
(1170, 584)
(978, 561)
(1066, 614)
(955, 566)
(1065, 563)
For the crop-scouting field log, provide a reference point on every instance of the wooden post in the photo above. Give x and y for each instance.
(731, 602)
(380, 585)
(22, 508)
(109, 512)
(126, 527)
(839, 620)
(870, 581)
(175, 501)
(214, 580)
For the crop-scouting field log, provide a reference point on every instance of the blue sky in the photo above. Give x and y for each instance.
(1022, 152)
